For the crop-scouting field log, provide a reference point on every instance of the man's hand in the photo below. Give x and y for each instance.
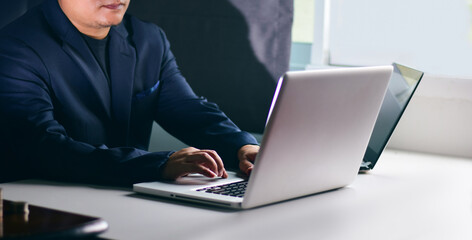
(193, 160)
(246, 155)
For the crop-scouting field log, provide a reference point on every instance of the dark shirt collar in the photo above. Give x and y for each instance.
(98, 42)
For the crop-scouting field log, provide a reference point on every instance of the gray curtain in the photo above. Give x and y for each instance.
(231, 51)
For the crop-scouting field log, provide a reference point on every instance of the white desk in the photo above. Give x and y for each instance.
(407, 196)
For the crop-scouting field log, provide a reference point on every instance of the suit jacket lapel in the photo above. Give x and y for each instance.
(122, 65)
(74, 45)
(96, 78)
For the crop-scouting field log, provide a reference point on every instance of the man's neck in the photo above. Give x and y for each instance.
(96, 33)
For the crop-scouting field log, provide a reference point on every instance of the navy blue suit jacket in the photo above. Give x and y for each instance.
(61, 119)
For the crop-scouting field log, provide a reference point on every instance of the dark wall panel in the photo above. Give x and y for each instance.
(231, 51)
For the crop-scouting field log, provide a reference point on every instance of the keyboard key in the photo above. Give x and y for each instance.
(235, 189)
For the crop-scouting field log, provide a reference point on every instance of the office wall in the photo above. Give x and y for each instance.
(438, 119)
(231, 51)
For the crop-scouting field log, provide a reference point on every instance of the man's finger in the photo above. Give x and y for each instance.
(246, 166)
(218, 160)
(196, 168)
(205, 159)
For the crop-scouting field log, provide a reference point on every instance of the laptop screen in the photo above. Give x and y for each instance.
(401, 87)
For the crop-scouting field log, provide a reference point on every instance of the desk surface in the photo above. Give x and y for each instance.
(407, 196)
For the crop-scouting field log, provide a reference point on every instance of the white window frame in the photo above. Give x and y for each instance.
(320, 45)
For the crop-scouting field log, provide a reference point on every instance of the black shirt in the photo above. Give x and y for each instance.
(99, 48)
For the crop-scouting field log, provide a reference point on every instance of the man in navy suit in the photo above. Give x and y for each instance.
(80, 86)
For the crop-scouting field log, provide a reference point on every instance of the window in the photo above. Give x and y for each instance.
(432, 35)
(302, 34)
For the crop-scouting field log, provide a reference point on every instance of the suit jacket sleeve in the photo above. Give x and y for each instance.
(193, 119)
(34, 144)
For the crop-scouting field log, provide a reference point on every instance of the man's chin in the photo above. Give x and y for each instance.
(110, 24)
(110, 21)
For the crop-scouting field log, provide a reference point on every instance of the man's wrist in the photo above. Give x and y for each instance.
(244, 150)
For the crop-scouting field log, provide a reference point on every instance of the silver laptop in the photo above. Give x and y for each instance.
(316, 134)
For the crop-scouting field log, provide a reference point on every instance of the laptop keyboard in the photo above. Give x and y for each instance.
(235, 189)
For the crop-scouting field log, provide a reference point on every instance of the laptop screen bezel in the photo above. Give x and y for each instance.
(371, 157)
